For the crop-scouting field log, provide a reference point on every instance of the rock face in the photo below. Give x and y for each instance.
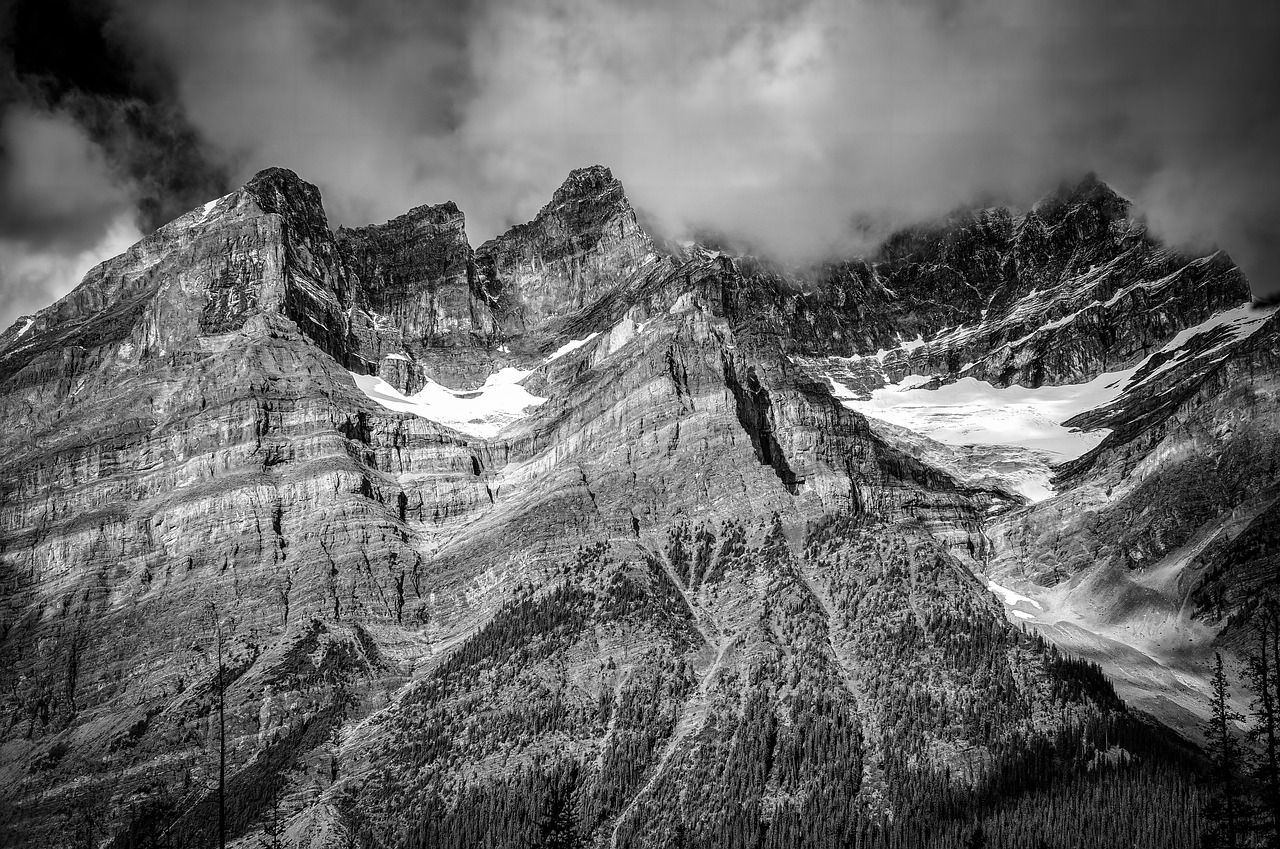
(683, 559)
(582, 244)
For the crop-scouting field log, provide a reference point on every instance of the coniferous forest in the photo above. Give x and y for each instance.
(915, 716)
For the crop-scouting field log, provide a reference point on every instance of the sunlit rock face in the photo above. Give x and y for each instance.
(581, 245)
(572, 505)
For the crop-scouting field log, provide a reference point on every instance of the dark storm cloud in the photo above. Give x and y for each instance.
(807, 126)
(94, 146)
(82, 60)
(367, 99)
(784, 123)
(1181, 102)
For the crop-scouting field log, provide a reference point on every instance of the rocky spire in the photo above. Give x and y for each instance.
(582, 244)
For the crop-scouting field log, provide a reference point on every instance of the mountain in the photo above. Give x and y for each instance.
(583, 536)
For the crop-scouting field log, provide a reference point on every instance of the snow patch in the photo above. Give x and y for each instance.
(914, 344)
(396, 357)
(1012, 597)
(571, 346)
(482, 412)
(25, 327)
(972, 413)
(1022, 614)
(207, 209)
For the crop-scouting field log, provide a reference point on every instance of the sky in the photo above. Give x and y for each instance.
(807, 128)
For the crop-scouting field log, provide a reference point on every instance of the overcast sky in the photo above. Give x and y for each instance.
(803, 127)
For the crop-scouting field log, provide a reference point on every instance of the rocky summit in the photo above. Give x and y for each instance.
(586, 538)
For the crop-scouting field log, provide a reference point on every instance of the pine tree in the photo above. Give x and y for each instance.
(977, 840)
(1223, 812)
(557, 827)
(273, 828)
(1264, 681)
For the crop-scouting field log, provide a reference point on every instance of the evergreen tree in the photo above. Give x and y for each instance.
(1223, 812)
(557, 827)
(977, 840)
(1264, 681)
(273, 828)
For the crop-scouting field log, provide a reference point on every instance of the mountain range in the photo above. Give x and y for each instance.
(592, 536)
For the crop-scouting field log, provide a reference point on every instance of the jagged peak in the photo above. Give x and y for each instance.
(588, 182)
(587, 197)
(275, 177)
(1089, 190)
(439, 215)
(434, 211)
(280, 190)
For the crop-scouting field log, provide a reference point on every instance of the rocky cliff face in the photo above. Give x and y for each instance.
(581, 245)
(566, 512)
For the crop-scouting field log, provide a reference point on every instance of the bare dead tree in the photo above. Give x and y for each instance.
(220, 685)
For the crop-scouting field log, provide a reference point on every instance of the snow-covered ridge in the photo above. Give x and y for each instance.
(202, 213)
(1239, 323)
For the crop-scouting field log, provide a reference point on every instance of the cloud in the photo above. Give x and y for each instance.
(363, 99)
(784, 123)
(57, 187)
(85, 61)
(35, 277)
(803, 126)
(62, 210)
(94, 146)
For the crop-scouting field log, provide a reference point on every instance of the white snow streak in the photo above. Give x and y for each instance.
(570, 346)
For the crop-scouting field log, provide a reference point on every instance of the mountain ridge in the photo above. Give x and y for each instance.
(552, 487)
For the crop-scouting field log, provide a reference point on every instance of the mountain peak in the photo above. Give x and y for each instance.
(588, 182)
(583, 243)
(275, 177)
(282, 191)
(1090, 191)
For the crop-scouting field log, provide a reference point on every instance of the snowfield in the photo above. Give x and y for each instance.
(973, 413)
(481, 412)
